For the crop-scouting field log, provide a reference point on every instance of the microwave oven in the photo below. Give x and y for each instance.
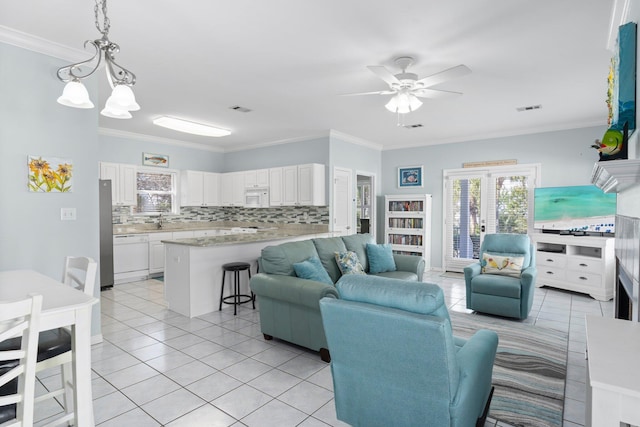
(256, 198)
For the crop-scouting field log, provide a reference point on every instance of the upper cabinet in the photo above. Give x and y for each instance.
(256, 178)
(123, 182)
(232, 189)
(302, 185)
(199, 188)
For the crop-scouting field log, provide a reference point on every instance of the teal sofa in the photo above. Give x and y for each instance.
(288, 304)
(395, 361)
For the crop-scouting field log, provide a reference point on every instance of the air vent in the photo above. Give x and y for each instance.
(529, 108)
(239, 108)
(417, 125)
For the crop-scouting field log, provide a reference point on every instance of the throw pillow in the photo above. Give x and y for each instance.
(312, 269)
(348, 263)
(508, 265)
(380, 258)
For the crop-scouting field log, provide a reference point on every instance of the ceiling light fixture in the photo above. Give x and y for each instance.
(122, 99)
(404, 102)
(190, 127)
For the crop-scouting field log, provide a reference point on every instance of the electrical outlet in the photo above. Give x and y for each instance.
(68, 214)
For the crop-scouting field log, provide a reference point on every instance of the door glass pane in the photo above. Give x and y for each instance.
(511, 204)
(466, 218)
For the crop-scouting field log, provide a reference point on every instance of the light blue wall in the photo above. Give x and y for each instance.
(565, 157)
(32, 236)
(124, 150)
(294, 153)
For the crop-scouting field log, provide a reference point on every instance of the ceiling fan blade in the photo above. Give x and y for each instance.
(384, 74)
(434, 93)
(443, 76)
(378, 92)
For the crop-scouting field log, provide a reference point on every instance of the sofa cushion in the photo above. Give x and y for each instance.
(280, 259)
(349, 263)
(358, 244)
(400, 275)
(327, 247)
(380, 258)
(502, 286)
(505, 265)
(312, 269)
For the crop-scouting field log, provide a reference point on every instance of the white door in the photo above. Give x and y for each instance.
(343, 202)
(484, 200)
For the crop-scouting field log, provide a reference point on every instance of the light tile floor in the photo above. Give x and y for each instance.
(156, 367)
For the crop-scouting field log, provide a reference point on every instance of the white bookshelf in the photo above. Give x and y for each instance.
(408, 225)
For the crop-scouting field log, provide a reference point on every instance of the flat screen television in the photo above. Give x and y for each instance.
(583, 208)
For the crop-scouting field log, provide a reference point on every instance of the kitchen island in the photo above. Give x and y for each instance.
(193, 266)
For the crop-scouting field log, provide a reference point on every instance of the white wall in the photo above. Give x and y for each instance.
(32, 236)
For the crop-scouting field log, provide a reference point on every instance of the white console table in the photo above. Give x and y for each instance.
(576, 263)
(613, 377)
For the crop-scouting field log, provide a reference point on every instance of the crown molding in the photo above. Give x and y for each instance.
(355, 140)
(278, 142)
(40, 45)
(148, 138)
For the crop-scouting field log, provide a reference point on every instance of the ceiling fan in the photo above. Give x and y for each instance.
(407, 88)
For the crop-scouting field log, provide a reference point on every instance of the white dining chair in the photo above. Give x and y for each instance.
(54, 347)
(19, 320)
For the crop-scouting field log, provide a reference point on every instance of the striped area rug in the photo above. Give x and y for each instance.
(529, 371)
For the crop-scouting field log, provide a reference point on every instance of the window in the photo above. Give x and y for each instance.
(155, 192)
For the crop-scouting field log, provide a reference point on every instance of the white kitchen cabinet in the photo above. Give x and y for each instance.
(311, 185)
(576, 263)
(232, 189)
(298, 185)
(258, 178)
(275, 187)
(199, 188)
(156, 252)
(123, 182)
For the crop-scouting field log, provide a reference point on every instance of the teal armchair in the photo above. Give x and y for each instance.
(491, 289)
(395, 361)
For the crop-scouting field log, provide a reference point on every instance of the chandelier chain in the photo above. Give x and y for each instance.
(101, 6)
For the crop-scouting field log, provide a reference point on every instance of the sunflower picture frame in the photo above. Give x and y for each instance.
(49, 174)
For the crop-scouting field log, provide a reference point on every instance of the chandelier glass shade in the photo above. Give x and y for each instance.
(122, 99)
(403, 102)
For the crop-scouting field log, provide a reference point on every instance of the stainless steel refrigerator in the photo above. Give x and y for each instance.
(106, 235)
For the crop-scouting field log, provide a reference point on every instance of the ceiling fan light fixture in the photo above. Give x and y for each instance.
(403, 103)
(187, 126)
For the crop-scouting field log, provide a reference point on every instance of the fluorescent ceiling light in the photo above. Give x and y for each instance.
(190, 127)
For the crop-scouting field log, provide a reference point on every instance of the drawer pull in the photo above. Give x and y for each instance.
(583, 278)
(582, 264)
(549, 260)
(549, 272)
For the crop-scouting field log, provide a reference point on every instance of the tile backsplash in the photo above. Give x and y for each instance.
(283, 215)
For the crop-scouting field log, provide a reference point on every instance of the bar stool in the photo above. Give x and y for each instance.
(236, 298)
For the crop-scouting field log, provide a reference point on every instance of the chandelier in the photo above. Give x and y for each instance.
(122, 99)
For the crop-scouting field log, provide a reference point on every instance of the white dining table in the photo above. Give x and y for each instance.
(62, 305)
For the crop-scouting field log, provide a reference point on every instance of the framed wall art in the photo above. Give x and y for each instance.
(410, 176)
(161, 160)
(49, 174)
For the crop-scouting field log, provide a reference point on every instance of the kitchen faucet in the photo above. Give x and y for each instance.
(160, 221)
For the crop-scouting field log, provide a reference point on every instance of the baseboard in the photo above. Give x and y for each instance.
(96, 339)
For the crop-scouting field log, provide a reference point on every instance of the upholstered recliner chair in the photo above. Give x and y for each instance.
(395, 361)
(503, 281)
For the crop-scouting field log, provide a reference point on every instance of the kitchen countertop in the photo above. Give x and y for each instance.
(259, 236)
(216, 225)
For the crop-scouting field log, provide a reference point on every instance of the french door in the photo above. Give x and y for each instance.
(478, 201)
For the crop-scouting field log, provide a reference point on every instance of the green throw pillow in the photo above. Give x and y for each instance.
(348, 263)
(380, 258)
(312, 269)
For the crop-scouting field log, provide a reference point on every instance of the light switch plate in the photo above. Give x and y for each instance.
(68, 214)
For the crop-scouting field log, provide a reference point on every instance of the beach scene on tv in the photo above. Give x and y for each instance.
(578, 208)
